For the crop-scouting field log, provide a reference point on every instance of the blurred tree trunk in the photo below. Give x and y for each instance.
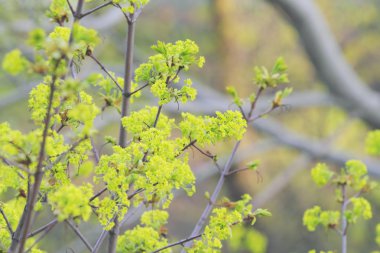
(226, 18)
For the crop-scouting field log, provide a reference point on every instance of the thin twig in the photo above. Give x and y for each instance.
(181, 242)
(41, 237)
(80, 235)
(99, 241)
(95, 9)
(271, 109)
(253, 105)
(242, 112)
(212, 157)
(135, 91)
(203, 152)
(39, 230)
(187, 146)
(237, 171)
(11, 163)
(127, 17)
(98, 194)
(214, 195)
(135, 193)
(175, 76)
(105, 70)
(157, 116)
(7, 221)
(62, 155)
(94, 150)
(71, 8)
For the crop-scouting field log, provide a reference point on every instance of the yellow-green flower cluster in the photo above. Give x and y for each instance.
(148, 237)
(220, 225)
(209, 130)
(71, 201)
(162, 71)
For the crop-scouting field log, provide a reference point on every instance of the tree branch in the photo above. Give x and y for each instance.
(98, 194)
(127, 80)
(128, 69)
(47, 230)
(39, 230)
(11, 163)
(7, 221)
(95, 9)
(71, 8)
(105, 70)
(181, 242)
(328, 60)
(135, 91)
(198, 227)
(99, 241)
(94, 151)
(62, 155)
(25, 225)
(79, 234)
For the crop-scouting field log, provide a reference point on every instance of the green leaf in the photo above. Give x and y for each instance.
(14, 63)
(264, 79)
(253, 165)
(262, 212)
(321, 174)
(372, 143)
(361, 208)
(311, 218)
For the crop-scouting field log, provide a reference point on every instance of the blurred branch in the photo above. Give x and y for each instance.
(313, 148)
(7, 222)
(328, 60)
(283, 179)
(79, 234)
(16, 95)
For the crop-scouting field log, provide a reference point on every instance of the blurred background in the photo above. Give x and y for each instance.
(332, 51)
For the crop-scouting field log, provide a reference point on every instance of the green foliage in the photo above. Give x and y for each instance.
(221, 222)
(315, 216)
(234, 94)
(86, 39)
(37, 38)
(280, 95)
(71, 202)
(248, 239)
(141, 239)
(13, 211)
(209, 130)
(148, 237)
(58, 11)
(373, 143)
(378, 234)
(321, 174)
(57, 154)
(132, 5)
(154, 219)
(162, 70)
(360, 208)
(253, 165)
(352, 179)
(278, 74)
(14, 63)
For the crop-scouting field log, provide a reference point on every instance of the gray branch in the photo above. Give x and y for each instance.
(328, 60)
